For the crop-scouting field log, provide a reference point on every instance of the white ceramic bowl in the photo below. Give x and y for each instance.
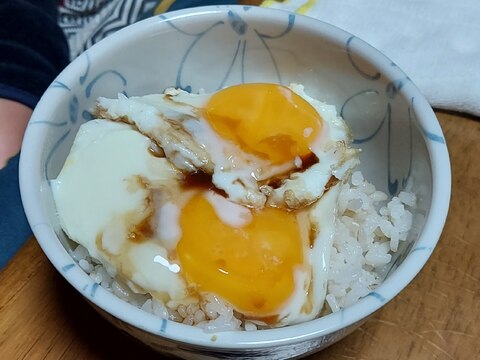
(212, 47)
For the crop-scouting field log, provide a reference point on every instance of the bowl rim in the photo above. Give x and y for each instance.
(30, 187)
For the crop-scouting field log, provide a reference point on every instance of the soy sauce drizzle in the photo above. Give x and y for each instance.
(141, 231)
(203, 181)
(307, 161)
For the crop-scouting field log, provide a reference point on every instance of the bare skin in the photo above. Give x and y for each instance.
(13, 122)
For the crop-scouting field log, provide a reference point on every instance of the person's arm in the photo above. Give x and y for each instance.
(13, 121)
(33, 50)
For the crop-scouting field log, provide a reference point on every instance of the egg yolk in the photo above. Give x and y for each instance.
(251, 267)
(268, 120)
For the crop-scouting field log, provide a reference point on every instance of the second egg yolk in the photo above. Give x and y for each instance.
(268, 120)
(251, 267)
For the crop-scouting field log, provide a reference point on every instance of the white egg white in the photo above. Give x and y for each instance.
(311, 287)
(103, 192)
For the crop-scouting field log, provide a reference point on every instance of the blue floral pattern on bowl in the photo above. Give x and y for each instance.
(242, 29)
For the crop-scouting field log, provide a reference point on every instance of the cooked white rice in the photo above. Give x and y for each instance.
(369, 232)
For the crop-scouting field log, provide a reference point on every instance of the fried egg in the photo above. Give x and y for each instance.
(257, 233)
(271, 265)
(252, 138)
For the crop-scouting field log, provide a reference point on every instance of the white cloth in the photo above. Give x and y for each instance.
(436, 42)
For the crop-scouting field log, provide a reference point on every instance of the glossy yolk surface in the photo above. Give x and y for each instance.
(268, 120)
(250, 267)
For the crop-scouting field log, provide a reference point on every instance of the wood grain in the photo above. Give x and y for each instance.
(436, 317)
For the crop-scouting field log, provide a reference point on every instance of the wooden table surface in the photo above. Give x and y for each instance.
(436, 317)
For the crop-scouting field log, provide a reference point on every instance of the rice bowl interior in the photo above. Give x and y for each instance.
(266, 242)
